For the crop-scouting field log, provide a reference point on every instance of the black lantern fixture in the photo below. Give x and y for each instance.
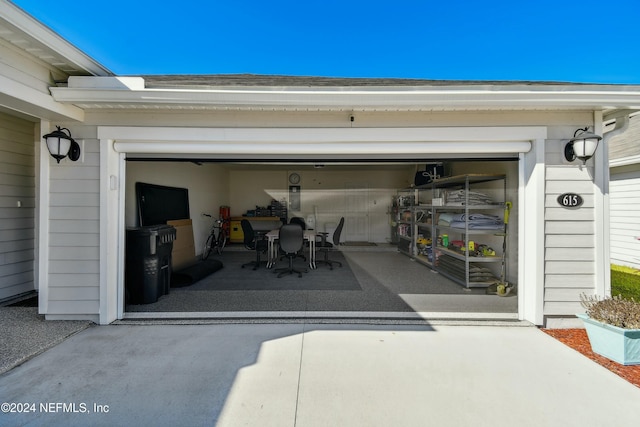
(61, 144)
(583, 145)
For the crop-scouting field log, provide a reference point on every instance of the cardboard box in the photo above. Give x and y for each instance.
(184, 251)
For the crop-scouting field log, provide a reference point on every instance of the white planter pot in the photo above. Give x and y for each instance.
(618, 344)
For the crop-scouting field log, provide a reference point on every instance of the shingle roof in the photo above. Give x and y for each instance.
(217, 80)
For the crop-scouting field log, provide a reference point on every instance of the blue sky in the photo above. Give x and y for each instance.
(541, 40)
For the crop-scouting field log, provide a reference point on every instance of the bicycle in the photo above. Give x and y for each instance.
(214, 242)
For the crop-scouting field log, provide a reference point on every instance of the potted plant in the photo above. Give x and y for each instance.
(613, 327)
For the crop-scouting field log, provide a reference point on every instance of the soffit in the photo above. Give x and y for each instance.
(34, 38)
(31, 46)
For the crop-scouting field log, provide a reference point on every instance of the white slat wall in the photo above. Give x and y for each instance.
(17, 206)
(624, 200)
(74, 233)
(569, 240)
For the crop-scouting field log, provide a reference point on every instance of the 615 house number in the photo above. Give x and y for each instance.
(570, 200)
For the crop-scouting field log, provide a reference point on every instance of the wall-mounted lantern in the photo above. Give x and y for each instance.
(582, 146)
(61, 145)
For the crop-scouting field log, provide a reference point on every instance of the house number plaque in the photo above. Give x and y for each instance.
(570, 200)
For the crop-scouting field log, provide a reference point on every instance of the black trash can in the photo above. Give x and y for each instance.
(148, 263)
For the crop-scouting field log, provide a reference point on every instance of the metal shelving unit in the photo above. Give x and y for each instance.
(414, 223)
(403, 206)
(416, 217)
(466, 264)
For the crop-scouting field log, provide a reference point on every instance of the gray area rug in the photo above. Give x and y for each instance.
(384, 282)
(232, 277)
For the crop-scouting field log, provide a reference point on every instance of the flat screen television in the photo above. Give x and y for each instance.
(158, 204)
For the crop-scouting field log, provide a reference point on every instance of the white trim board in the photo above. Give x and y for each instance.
(387, 143)
(359, 141)
(132, 134)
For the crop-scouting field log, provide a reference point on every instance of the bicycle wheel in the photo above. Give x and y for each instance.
(207, 247)
(222, 241)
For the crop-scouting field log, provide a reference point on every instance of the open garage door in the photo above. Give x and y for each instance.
(240, 152)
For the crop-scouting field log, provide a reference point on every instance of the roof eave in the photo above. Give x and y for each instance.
(348, 98)
(49, 40)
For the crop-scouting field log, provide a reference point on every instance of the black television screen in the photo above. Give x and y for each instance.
(158, 204)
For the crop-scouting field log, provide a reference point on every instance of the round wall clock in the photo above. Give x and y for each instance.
(294, 178)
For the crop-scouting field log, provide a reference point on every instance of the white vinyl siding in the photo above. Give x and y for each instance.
(74, 234)
(624, 202)
(570, 254)
(17, 206)
(25, 69)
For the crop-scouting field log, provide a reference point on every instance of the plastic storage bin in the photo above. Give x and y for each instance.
(148, 263)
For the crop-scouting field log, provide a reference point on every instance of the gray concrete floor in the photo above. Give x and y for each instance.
(308, 375)
(390, 282)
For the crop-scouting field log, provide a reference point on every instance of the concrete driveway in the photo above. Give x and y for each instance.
(314, 375)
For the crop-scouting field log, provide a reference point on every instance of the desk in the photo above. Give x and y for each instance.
(258, 223)
(272, 251)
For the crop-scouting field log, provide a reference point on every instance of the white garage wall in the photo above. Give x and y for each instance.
(323, 192)
(208, 185)
(211, 185)
(251, 186)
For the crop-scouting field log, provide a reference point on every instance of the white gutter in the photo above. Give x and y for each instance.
(622, 123)
(345, 98)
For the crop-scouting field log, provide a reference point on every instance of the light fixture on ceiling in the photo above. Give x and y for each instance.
(61, 145)
(582, 146)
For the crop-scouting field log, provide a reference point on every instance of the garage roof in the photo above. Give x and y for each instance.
(259, 80)
(252, 92)
(297, 93)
